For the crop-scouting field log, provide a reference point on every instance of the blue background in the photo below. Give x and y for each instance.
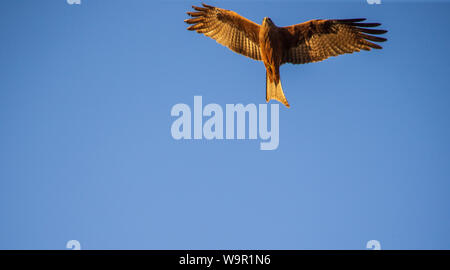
(86, 151)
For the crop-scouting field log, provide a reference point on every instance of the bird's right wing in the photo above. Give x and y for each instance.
(316, 40)
(227, 28)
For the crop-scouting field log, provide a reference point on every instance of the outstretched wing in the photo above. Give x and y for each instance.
(316, 40)
(227, 28)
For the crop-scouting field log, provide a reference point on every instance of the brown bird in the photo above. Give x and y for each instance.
(307, 42)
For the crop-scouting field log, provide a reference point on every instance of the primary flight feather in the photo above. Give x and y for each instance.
(307, 42)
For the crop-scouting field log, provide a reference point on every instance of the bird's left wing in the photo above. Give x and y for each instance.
(316, 40)
(227, 28)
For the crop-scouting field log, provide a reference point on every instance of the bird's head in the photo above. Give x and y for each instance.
(268, 21)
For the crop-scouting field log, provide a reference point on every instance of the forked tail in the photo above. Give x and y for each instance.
(275, 91)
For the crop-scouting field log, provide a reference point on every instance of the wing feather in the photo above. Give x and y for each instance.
(227, 28)
(316, 40)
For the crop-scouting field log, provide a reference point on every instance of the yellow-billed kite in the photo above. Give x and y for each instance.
(307, 42)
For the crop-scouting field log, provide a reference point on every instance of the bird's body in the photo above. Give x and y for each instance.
(312, 41)
(271, 49)
(271, 45)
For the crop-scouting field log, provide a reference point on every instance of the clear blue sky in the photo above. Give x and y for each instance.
(86, 151)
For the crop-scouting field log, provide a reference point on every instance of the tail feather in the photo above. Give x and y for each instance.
(275, 91)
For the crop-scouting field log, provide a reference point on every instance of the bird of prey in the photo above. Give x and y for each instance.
(307, 42)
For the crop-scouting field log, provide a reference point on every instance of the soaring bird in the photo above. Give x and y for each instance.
(307, 42)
